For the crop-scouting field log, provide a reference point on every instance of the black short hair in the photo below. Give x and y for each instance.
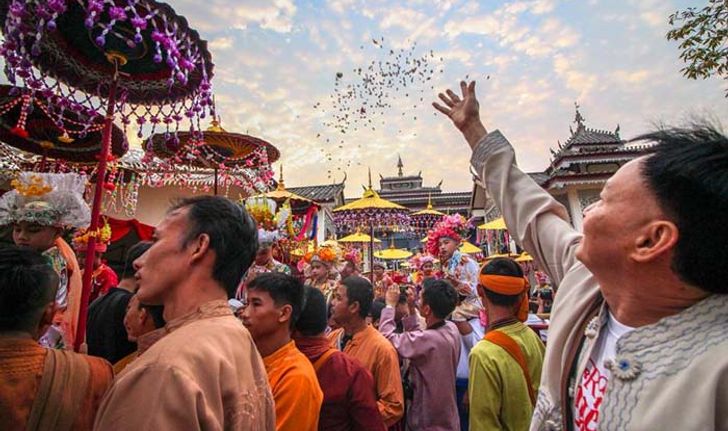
(502, 266)
(157, 313)
(27, 285)
(283, 289)
(314, 316)
(359, 289)
(376, 310)
(688, 173)
(441, 296)
(233, 236)
(135, 252)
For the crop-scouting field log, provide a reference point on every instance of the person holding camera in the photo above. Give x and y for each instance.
(433, 355)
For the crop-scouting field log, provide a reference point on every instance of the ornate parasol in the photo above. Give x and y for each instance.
(497, 224)
(424, 220)
(136, 57)
(26, 124)
(359, 237)
(470, 248)
(298, 203)
(392, 253)
(220, 150)
(371, 211)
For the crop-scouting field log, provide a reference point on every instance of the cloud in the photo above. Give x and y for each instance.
(212, 15)
(221, 43)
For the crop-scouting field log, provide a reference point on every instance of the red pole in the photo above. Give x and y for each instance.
(371, 252)
(95, 212)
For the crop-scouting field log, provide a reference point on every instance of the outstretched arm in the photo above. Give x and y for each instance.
(533, 216)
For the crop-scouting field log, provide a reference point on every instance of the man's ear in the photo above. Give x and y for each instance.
(286, 313)
(354, 307)
(200, 246)
(654, 241)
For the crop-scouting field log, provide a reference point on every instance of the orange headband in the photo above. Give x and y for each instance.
(503, 284)
(507, 285)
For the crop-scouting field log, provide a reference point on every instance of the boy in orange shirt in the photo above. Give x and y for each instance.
(273, 304)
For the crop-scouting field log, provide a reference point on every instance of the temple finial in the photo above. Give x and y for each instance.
(281, 184)
(578, 118)
(400, 165)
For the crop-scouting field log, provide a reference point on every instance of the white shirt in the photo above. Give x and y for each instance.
(593, 383)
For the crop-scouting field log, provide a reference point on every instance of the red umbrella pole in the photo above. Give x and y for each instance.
(95, 212)
(371, 252)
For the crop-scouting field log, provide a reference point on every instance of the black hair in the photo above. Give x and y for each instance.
(283, 289)
(314, 317)
(135, 252)
(688, 173)
(502, 266)
(441, 296)
(27, 285)
(359, 289)
(233, 236)
(376, 310)
(157, 313)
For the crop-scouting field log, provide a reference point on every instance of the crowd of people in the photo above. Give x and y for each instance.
(205, 329)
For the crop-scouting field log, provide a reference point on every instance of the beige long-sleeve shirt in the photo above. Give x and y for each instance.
(206, 374)
(669, 375)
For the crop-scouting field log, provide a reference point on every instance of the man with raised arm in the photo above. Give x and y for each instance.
(639, 329)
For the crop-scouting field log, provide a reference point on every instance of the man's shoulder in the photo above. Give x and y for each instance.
(379, 342)
(212, 338)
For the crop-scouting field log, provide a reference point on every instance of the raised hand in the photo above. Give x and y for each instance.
(463, 112)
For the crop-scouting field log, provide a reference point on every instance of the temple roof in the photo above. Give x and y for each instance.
(320, 193)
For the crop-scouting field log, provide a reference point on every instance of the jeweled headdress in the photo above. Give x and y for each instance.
(47, 200)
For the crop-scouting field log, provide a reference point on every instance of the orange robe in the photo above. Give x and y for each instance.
(379, 357)
(75, 287)
(35, 382)
(295, 388)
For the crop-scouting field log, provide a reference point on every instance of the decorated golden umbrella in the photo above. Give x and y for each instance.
(524, 257)
(470, 248)
(280, 195)
(373, 212)
(393, 254)
(497, 224)
(423, 220)
(218, 149)
(359, 237)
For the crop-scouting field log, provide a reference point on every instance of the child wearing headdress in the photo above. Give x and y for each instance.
(40, 207)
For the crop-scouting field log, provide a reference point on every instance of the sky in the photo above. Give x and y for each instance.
(276, 60)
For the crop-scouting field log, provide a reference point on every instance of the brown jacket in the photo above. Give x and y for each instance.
(47, 389)
(205, 374)
(674, 373)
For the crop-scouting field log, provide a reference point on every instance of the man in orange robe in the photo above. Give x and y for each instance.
(350, 306)
(40, 389)
(273, 303)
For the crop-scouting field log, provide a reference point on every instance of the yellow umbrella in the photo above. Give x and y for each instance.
(470, 248)
(369, 200)
(330, 243)
(281, 194)
(359, 237)
(393, 254)
(425, 239)
(497, 224)
(429, 210)
(524, 257)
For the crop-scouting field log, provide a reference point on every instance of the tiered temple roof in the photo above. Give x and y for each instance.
(589, 156)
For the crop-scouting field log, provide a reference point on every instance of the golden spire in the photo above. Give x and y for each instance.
(281, 184)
